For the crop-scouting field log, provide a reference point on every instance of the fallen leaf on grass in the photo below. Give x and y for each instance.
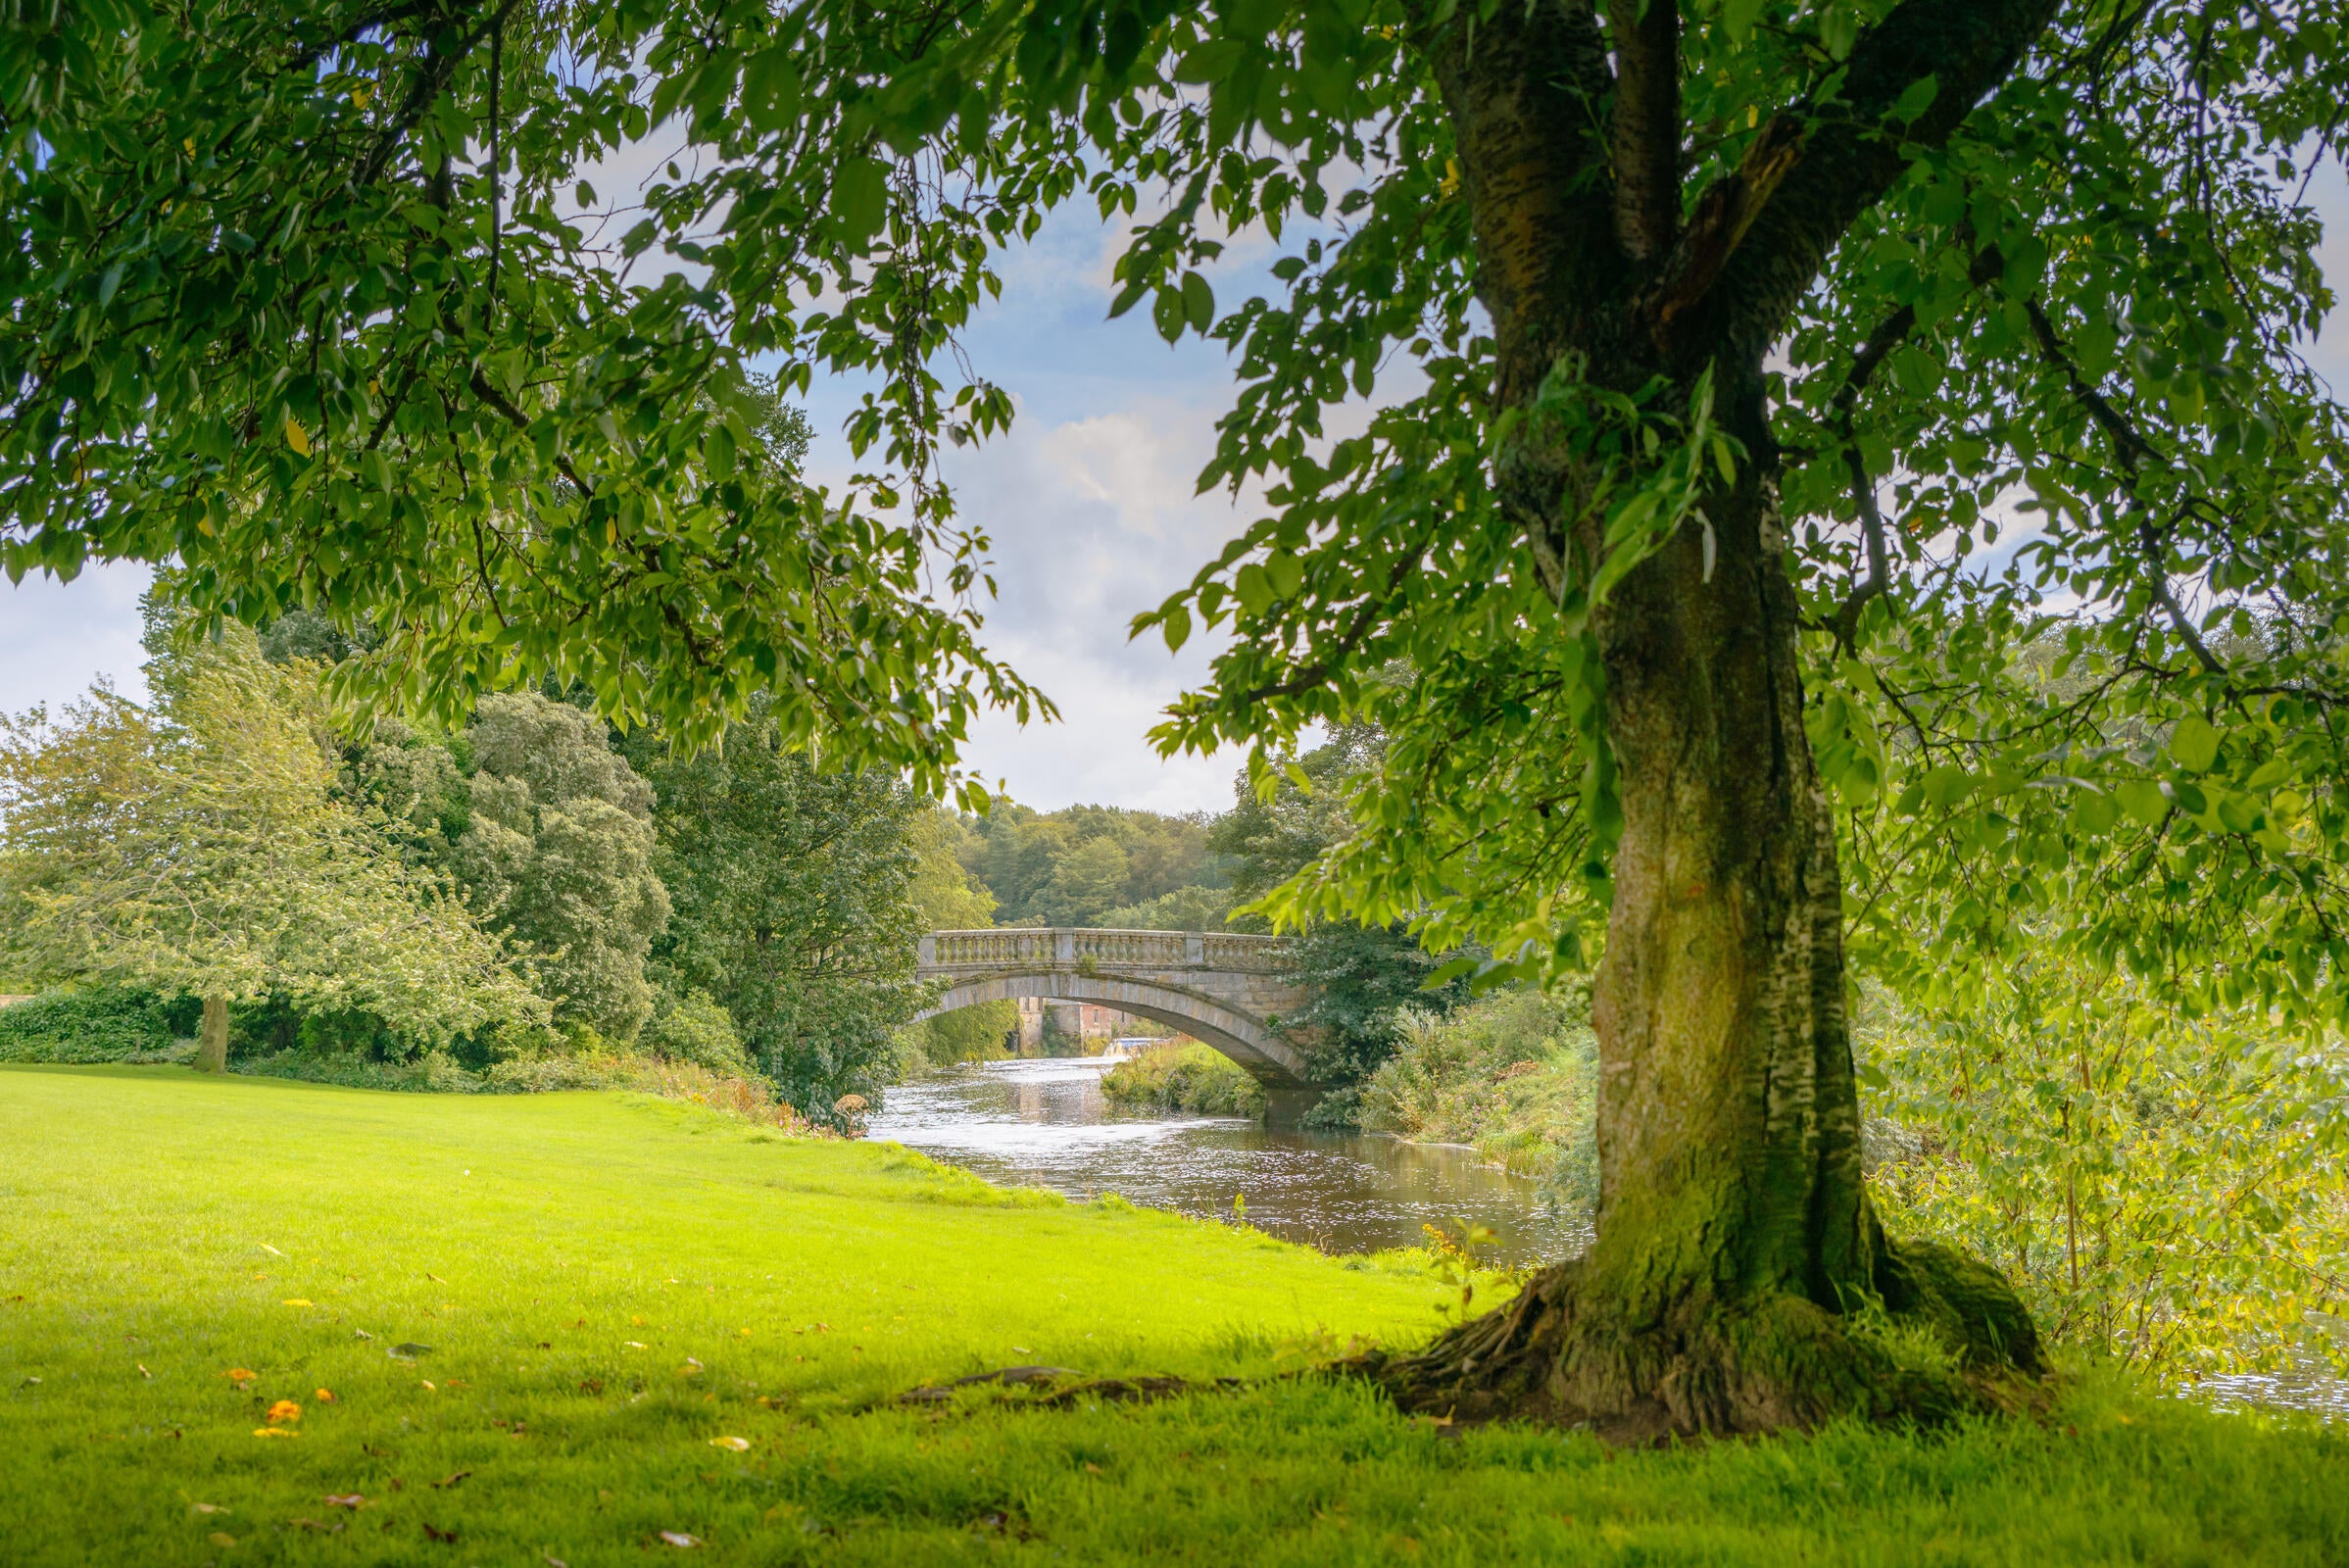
(143, 1372)
(284, 1410)
(274, 1432)
(323, 1395)
(632, 1345)
(344, 1499)
(678, 1538)
(428, 1382)
(322, 1528)
(296, 1300)
(207, 1507)
(222, 1538)
(240, 1375)
(447, 1537)
(451, 1479)
(360, 1334)
(738, 1445)
(554, 1561)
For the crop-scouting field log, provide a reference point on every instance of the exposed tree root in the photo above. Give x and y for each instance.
(1061, 1387)
(1949, 1337)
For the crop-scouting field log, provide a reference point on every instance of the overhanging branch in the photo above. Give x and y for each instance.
(1760, 234)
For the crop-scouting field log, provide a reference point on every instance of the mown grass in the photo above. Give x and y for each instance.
(608, 1284)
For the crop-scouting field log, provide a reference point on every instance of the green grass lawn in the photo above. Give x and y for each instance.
(610, 1286)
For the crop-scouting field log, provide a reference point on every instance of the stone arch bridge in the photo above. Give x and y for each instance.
(1223, 988)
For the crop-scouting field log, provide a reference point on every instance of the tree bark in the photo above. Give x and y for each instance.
(212, 1037)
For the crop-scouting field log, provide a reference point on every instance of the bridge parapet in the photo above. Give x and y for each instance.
(949, 952)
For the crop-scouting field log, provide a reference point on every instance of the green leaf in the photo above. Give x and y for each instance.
(859, 198)
(1254, 584)
(2143, 800)
(2094, 812)
(1209, 61)
(1948, 784)
(1176, 626)
(2194, 744)
(1286, 569)
(1199, 302)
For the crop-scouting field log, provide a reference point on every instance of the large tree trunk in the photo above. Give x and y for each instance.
(1740, 1281)
(212, 1037)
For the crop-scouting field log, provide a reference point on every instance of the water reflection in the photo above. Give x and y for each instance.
(1045, 1124)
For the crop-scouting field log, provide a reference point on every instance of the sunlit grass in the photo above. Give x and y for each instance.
(609, 1287)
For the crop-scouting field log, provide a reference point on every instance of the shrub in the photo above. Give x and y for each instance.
(695, 1028)
(98, 1023)
(1184, 1076)
(1514, 1076)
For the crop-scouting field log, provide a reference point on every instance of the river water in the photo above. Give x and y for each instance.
(1044, 1123)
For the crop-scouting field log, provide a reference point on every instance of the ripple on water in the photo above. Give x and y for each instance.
(1044, 1123)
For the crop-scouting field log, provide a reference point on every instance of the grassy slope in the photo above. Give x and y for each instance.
(136, 1207)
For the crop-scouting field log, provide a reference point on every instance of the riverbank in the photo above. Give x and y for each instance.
(625, 1319)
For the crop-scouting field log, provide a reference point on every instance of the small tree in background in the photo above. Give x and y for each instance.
(199, 848)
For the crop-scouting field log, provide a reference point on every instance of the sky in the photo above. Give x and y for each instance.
(1089, 501)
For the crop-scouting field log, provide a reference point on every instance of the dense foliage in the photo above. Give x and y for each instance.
(1184, 1076)
(558, 856)
(203, 848)
(2169, 1192)
(1092, 865)
(791, 888)
(96, 1024)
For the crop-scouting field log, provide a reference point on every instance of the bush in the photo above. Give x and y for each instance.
(1514, 1076)
(694, 1028)
(1184, 1076)
(98, 1023)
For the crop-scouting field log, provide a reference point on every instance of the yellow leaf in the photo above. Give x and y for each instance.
(284, 1410)
(297, 437)
(296, 1300)
(738, 1445)
(222, 1538)
(274, 1432)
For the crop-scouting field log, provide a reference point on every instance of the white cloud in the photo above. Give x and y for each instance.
(58, 638)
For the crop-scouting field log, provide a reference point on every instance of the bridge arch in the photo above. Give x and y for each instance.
(1248, 1040)
(1222, 988)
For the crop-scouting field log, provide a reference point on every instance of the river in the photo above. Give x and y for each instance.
(1044, 1123)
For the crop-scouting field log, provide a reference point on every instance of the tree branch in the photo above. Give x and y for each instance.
(1644, 130)
(439, 71)
(1889, 335)
(2133, 451)
(1759, 236)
